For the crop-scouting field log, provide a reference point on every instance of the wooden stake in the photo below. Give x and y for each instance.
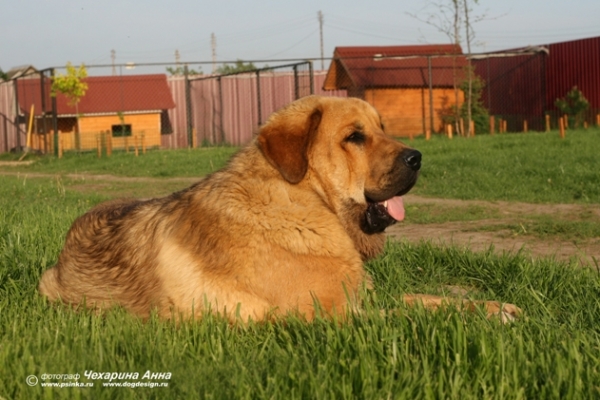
(492, 125)
(585, 125)
(597, 119)
(99, 146)
(449, 131)
(108, 143)
(127, 144)
(194, 138)
(525, 127)
(472, 129)
(61, 145)
(135, 145)
(561, 127)
(504, 126)
(566, 121)
(461, 127)
(428, 134)
(143, 144)
(547, 123)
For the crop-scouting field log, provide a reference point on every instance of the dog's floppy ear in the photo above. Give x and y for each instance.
(286, 138)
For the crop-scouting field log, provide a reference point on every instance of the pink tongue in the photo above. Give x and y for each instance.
(395, 207)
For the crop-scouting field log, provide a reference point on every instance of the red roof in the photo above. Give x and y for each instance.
(105, 94)
(394, 66)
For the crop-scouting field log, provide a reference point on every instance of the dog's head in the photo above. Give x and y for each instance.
(340, 146)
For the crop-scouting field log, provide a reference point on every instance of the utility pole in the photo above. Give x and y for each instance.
(213, 45)
(112, 57)
(320, 16)
(177, 58)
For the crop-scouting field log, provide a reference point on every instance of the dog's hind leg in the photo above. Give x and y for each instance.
(494, 309)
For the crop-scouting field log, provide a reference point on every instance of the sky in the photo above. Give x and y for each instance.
(50, 33)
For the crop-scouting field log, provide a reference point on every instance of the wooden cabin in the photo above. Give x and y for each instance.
(122, 109)
(412, 87)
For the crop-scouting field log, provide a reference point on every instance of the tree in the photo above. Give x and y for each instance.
(452, 17)
(239, 66)
(72, 86)
(574, 104)
(3, 76)
(179, 71)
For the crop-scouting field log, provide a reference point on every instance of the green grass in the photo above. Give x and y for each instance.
(553, 352)
(155, 163)
(547, 227)
(532, 167)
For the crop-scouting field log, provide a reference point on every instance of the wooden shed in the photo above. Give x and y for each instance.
(124, 107)
(412, 87)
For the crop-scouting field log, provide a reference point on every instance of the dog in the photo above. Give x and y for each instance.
(284, 228)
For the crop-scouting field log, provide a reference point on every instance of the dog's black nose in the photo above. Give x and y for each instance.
(412, 159)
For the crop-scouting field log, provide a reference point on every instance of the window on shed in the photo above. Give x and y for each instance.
(121, 130)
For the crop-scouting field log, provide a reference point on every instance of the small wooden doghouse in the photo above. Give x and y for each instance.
(125, 107)
(412, 87)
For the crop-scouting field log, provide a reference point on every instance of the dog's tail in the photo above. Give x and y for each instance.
(49, 285)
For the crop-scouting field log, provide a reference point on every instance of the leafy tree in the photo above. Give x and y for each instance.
(179, 71)
(574, 104)
(72, 86)
(3, 76)
(239, 66)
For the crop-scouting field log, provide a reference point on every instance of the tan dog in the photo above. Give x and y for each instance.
(288, 222)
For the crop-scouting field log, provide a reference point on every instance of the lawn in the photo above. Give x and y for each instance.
(553, 352)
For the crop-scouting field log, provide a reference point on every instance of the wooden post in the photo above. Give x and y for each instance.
(428, 134)
(99, 146)
(143, 144)
(566, 121)
(135, 145)
(561, 126)
(504, 126)
(492, 124)
(525, 126)
(597, 119)
(194, 138)
(60, 145)
(500, 125)
(472, 129)
(127, 144)
(108, 143)
(449, 131)
(547, 123)
(585, 125)
(461, 127)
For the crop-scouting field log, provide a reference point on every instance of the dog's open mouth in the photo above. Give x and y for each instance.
(380, 215)
(394, 207)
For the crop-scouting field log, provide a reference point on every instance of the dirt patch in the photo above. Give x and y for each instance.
(469, 234)
(15, 163)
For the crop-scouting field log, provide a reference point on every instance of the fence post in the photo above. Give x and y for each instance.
(5, 123)
(296, 89)
(221, 119)
(561, 127)
(547, 122)
(188, 104)
(43, 110)
(525, 127)
(492, 125)
(54, 119)
(258, 103)
(430, 74)
(311, 77)
(17, 107)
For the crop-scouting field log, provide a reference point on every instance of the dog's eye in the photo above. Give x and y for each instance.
(356, 137)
